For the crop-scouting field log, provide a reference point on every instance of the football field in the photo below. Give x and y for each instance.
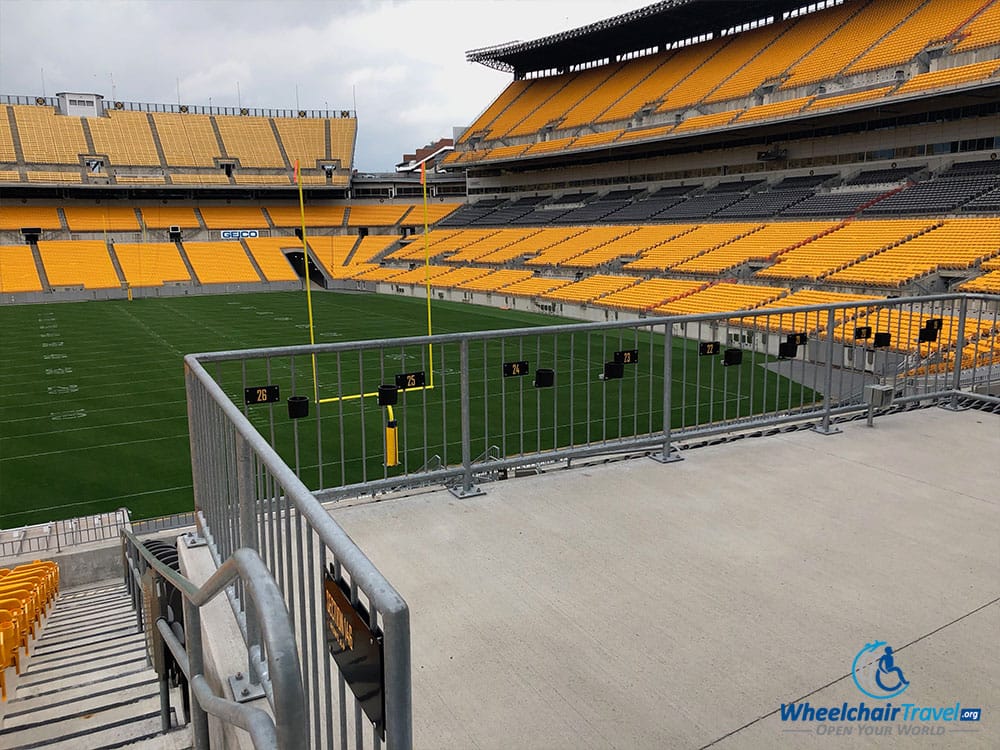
(93, 412)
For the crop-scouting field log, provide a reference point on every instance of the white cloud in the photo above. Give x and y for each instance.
(403, 60)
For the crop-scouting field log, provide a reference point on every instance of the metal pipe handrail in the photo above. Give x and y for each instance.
(451, 338)
(278, 636)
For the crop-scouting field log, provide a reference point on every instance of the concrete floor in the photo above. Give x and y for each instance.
(640, 605)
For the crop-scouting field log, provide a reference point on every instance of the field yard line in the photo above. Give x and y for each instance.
(92, 447)
(199, 325)
(151, 332)
(91, 427)
(89, 412)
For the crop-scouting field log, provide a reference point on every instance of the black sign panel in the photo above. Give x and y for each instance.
(627, 357)
(613, 371)
(262, 394)
(927, 335)
(515, 369)
(799, 339)
(355, 649)
(709, 348)
(787, 350)
(406, 380)
(882, 338)
(732, 357)
(862, 332)
(934, 324)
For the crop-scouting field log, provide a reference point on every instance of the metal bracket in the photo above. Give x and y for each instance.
(244, 690)
(671, 456)
(191, 540)
(473, 491)
(828, 430)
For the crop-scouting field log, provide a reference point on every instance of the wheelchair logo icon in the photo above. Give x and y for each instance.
(876, 673)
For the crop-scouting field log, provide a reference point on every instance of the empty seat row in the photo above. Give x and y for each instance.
(27, 592)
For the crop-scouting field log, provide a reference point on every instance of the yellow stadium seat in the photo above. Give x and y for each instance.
(125, 138)
(188, 140)
(151, 263)
(17, 270)
(267, 251)
(101, 219)
(250, 140)
(78, 263)
(220, 262)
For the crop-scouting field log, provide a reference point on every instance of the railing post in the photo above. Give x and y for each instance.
(398, 686)
(196, 666)
(956, 381)
(666, 454)
(823, 428)
(467, 489)
(247, 498)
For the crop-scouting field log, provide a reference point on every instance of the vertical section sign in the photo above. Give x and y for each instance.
(355, 648)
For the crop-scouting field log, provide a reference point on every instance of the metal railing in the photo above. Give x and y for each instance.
(247, 497)
(56, 536)
(111, 105)
(465, 404)
(470, 406)
(273, 657)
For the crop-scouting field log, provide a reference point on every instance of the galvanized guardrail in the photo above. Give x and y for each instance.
(57, 536)
(249, 498)
(467, 407)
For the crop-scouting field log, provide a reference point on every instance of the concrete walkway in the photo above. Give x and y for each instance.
(637, 605)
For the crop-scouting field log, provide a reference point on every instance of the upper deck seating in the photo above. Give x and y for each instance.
(251, 140)
(48, 138)
(913, 34)
(188, 140)
(125, 137)
(981, 31)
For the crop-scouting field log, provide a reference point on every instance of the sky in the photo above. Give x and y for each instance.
(399, 63)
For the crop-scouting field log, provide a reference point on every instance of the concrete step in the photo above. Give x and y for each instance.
(119, 723)
(96, 633)
(94, 701)
(87, 684)
(68, 675)
(36, 698)
(70, 651)
(175, 739)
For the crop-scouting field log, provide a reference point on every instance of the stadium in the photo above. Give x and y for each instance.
(624, 418)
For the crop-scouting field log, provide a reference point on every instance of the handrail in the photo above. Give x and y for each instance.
(287, 728)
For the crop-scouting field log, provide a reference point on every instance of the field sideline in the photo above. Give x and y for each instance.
(93, 409)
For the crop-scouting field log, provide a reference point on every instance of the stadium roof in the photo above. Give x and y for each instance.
(655, 25)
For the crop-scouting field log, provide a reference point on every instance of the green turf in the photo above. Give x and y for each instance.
(93, 410)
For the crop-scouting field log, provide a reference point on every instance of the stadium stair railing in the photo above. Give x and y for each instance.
(274, 659)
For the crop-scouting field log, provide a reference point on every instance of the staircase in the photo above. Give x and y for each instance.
(87, 683)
